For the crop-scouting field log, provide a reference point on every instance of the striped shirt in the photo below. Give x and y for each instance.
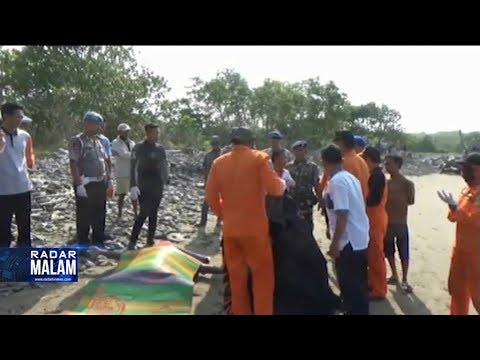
(15, 161)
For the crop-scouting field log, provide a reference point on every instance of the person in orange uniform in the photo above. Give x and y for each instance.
(464, 277)
(378, 218)
(352, 162)
(236, 188)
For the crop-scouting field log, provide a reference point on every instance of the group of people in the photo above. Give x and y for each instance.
(99, 169)
(141, 170)
(366, 216)
(366, 213)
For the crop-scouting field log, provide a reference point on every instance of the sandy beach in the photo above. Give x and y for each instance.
(431, 234)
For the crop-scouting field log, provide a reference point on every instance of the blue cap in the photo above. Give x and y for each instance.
(275, 135)
(360, 141)
(299, 143)
(93, 116)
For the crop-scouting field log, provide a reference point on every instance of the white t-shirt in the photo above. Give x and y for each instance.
(344, 192)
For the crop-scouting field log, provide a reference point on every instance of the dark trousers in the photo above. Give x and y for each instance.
(91, 213)
(203, 218)
(19, 205)
(352, 273)
(149, 204)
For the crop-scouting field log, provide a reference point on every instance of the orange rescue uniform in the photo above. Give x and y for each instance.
(464, 277)
(236, 188)
(355, 165)
(378, 218)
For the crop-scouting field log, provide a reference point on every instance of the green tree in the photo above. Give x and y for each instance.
(57, 84)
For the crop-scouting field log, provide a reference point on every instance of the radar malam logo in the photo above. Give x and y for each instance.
(53, 265)
(38, 264)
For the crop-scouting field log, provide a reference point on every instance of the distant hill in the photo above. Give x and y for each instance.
(443, 141)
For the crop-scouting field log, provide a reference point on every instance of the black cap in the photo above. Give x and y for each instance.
(346, 137)
(471, 159)
(241, 134)
(299, 143)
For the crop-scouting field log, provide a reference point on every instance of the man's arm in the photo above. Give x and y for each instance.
(212, 192)
(469, 215)
(376, 187)
(316, 183)
(339, 195)
(74, 153)
(134, 165)
(270, 182)
(410, 192)
(205, 165)
(323, 181)
(29, 154)
(164, 166)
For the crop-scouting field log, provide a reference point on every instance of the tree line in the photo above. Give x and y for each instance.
(57, 84)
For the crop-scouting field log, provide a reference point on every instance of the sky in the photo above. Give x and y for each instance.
(435, 88)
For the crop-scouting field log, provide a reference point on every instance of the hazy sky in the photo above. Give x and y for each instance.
(434, 88)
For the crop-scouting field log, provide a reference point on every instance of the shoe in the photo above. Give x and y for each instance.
(150, 243)
(131, 246)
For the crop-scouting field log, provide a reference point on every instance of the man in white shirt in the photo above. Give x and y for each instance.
(16, 159)
(349, 227)
(121, 150)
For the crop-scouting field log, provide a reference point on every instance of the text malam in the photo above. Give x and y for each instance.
(53, 262)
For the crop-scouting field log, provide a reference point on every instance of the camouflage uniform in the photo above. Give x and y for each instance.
(306, 176)
(207, 164)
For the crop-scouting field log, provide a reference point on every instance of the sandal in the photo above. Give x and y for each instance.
(406, 287)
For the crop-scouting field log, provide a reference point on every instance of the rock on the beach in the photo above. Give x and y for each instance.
(175, 237)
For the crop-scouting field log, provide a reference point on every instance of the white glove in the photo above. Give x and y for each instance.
(288, 179)
(134, 193)
(84, 180)
(447, 198)
(81, 191)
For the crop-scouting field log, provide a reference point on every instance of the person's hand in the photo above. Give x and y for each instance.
(110, 190)
(289, 182)
(81, 191)
(447, 198)
(134, 193)
(334, 250)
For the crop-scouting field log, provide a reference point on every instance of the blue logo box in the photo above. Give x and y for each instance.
(38, 265)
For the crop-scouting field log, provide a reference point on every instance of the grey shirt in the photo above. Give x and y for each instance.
(149, 168)
(89, 154)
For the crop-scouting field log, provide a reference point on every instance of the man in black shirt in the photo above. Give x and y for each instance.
(207, 164)
(149, 175)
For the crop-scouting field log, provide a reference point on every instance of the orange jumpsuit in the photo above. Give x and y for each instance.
(355, 165)
(464, 277)
(236, 187)
(378, 218)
